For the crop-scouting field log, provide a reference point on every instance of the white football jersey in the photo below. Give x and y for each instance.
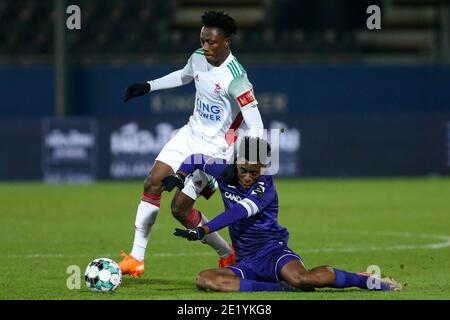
(221, 94)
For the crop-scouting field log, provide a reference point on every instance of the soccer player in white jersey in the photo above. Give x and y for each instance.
(224, 100)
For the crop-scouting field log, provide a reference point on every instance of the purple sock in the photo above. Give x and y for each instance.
(252, 286)
(346, 279)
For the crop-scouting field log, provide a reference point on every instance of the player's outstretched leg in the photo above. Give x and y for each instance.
(148, 209)
(225, 280)
(296, 275)
(189, 217)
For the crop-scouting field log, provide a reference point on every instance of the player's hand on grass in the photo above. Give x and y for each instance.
(136, 90)
(170, 182)
(191, 234)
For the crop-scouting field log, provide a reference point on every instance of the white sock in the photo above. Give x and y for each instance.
(145, 218)
(216, 241)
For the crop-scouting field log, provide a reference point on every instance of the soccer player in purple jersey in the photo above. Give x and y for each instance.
(264, 260)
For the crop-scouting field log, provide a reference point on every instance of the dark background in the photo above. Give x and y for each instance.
(353, 101)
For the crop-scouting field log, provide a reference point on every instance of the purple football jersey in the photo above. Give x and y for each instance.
(256, 226)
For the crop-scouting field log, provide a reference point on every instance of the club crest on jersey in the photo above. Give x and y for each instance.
(259, 191)
(217, 88)
(246, 98)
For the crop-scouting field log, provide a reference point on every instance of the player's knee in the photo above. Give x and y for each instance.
(204, 281)
(221, 284)
(177, 210)
(207, 280)
(152, 184)
(300, 280)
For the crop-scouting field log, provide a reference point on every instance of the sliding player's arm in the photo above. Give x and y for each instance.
(260, 198)
(241, 90)
(212, 166)
(172, 80)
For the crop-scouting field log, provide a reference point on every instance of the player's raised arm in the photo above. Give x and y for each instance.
(242, 91)
(172, 80)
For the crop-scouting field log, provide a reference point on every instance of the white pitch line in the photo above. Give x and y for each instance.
(60, 255)
(444, 243)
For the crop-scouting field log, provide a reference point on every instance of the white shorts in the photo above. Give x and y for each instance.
(184, 144)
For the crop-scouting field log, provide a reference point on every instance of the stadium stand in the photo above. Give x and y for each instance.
(410, 28)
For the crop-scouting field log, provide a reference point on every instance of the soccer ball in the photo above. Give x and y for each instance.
(103, 275)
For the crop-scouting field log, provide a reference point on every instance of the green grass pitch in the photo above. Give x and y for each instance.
(401, 225)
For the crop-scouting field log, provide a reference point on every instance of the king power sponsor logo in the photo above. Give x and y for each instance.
(208, 111)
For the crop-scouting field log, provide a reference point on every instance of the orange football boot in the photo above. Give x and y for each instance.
(228, 261)
(131, 266)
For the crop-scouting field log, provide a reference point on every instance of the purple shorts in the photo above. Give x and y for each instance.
(266, 265)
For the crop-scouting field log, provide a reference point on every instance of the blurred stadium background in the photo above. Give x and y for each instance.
(353, 101)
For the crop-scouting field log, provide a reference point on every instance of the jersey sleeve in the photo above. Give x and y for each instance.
(254, 122)
(262, 195)
(260, 198)
(174, 79)
(188, 70)
(187, 73)
(241, 90)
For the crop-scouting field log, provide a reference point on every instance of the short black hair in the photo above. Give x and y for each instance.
(220, 20)
(254, 150)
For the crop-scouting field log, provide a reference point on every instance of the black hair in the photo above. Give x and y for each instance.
(254, 150)
(220, 20)
(247, 153)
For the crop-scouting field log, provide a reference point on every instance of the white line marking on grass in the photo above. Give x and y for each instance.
(444, 242)
(60, 255)
(182, 254)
